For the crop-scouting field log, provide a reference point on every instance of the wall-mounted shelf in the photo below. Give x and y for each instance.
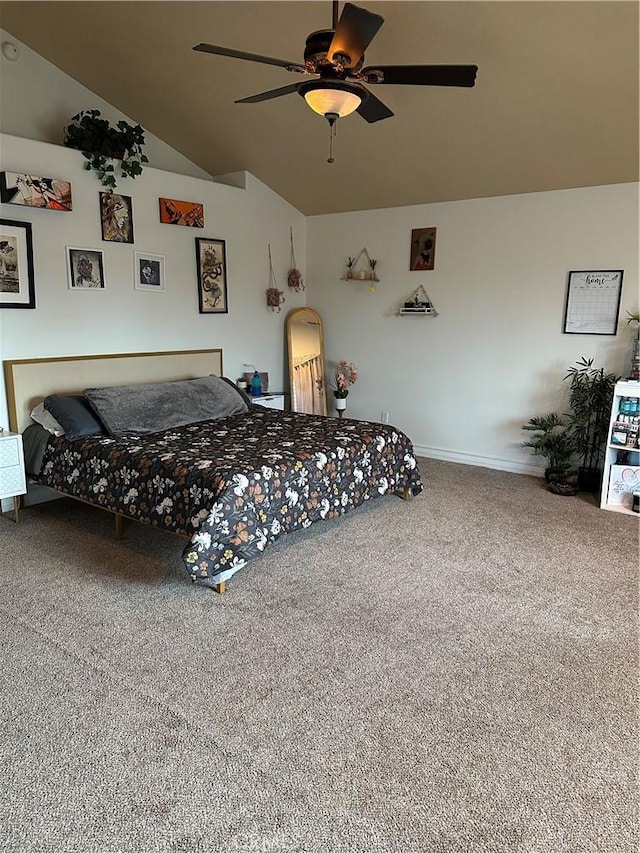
(418, 305)
(362, 268)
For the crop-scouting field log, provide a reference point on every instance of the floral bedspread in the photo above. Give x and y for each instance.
(235, 484)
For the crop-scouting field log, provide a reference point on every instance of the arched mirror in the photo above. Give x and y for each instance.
(306, 361)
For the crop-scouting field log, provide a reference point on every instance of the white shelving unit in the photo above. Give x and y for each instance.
(619, 481)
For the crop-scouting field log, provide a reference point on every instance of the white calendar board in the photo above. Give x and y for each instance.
(593, 302)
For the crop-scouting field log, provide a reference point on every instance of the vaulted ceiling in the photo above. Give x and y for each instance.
(555, 103)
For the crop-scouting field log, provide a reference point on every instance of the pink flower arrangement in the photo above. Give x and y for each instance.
(344, 375)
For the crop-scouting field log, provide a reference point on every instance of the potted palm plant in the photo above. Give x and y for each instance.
(106, 146)
(590, 398)
(552, 441)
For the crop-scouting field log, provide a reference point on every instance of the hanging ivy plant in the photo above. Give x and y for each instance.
(107, 147)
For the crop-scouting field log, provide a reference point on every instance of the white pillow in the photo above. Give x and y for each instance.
(41, 416)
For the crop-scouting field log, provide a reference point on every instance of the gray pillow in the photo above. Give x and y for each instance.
(164, 405)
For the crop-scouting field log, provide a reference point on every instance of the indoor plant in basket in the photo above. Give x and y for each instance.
(106, 146)
(590, 399)
(552, 440)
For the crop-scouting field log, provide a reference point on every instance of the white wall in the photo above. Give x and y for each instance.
(38, 101)
(462, 384)
(121, 319)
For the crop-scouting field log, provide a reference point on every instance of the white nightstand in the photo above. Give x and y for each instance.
(13, 480)
(269, 401)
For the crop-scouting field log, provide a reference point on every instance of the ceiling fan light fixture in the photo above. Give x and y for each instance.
(336, 99)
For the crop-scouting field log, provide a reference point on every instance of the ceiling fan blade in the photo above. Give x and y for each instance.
(372, 109)
(251, 57)
(422, 75)
(272, 93)
(356, 28)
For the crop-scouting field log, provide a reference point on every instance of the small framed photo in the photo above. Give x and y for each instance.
(148, 272)
(423, 249)
(116, 218)
(593, 302)
(212, 276)
(85, 268)
(174, 212)
(17, 288)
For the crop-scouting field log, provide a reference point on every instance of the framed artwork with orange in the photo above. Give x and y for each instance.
(174, 212)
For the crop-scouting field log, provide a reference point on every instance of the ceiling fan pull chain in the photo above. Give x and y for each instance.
(332, 133)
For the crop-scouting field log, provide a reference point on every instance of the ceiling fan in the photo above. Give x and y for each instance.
(336, 57)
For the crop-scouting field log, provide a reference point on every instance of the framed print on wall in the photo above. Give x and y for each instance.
(34, 191)
(593, 302)
(212, 276)
(148, 272)
(174, 212)
(17, 287)
(116, 218)
(423, 249)
(85, 268)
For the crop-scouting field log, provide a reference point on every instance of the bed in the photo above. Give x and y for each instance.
(231, 484)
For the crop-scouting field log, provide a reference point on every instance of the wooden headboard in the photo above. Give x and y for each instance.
(30, 380)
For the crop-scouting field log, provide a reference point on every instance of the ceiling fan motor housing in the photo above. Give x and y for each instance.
(316, 50)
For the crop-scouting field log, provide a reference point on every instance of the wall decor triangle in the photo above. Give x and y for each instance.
(362, 268)
(418, 303)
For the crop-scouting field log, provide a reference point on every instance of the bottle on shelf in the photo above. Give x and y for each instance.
(256, 384)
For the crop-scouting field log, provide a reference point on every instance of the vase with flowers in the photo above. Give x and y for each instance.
(345, 374)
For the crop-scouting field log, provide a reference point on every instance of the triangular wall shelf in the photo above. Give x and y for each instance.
(418, 304)
(362, 268)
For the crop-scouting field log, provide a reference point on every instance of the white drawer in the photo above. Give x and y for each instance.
(10, 451)
(12, 481)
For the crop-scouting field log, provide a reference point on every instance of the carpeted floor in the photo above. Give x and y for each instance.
(454, 674)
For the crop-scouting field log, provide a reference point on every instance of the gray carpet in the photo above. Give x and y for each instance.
(455, 673)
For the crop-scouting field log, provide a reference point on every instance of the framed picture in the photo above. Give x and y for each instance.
(212, 276)
(148, 272)
(17, 289)
(423, 249)
(173, 212)
(593, 302)
(116, 218)
(34, 191)
(85, 268)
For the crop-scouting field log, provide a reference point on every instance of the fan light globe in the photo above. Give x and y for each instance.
(332, 101)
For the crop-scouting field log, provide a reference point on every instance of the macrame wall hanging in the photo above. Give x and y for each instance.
(294, 277)
(275, 297)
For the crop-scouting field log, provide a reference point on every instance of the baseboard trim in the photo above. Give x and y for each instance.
(445, 455)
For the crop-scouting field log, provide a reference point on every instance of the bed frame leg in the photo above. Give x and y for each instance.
(220, 588)
(119, 526)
